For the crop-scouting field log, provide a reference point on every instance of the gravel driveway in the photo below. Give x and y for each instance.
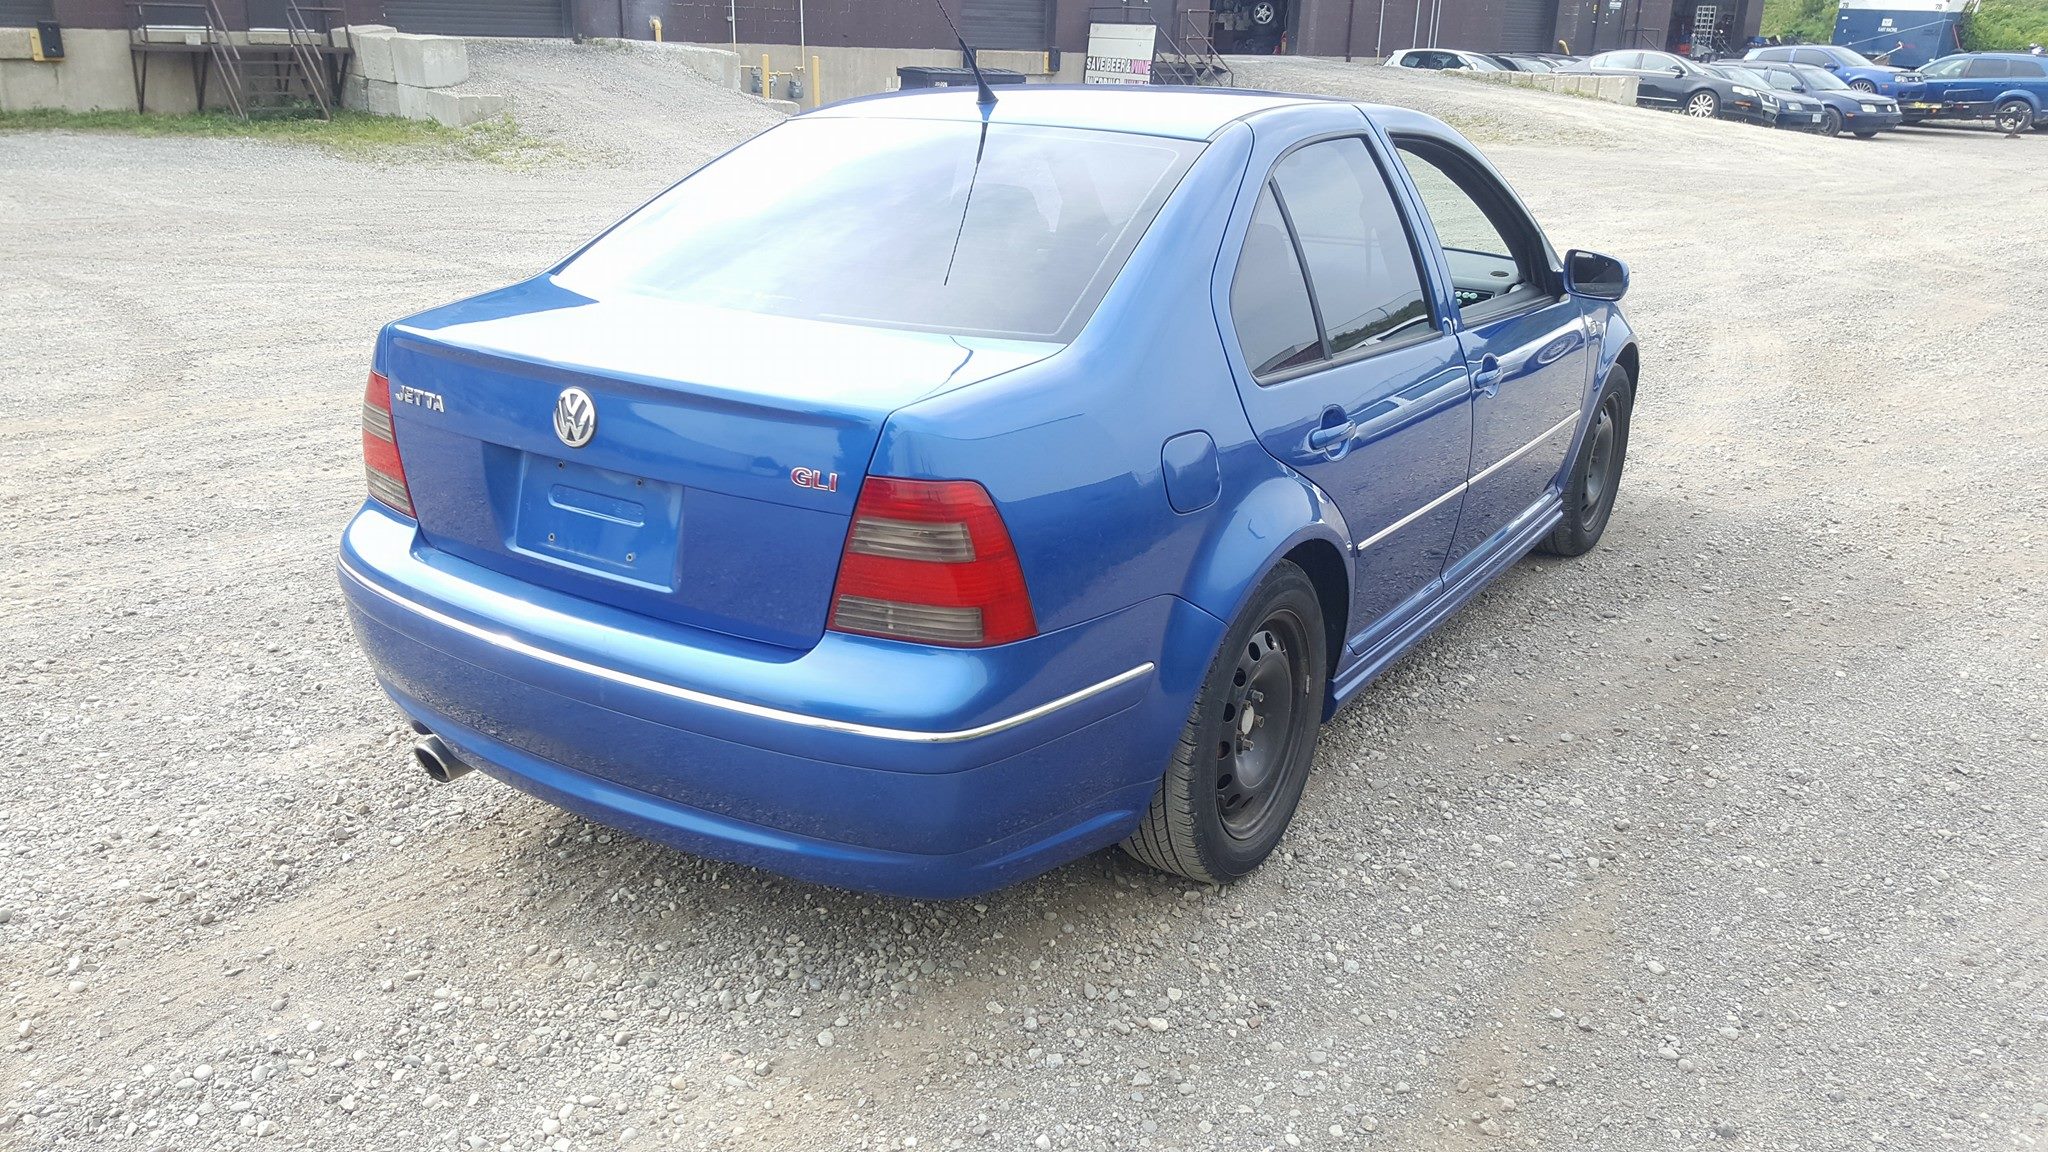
(1733, 832)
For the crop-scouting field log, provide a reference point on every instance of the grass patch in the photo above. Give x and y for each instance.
(355, 134)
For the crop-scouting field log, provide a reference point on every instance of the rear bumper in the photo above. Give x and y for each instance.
(859, 763)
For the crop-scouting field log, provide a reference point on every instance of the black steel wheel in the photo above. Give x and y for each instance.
(1830, 122)
(1243, 757)
(1595, 477)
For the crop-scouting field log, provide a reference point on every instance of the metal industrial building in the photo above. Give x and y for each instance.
(1358, 28)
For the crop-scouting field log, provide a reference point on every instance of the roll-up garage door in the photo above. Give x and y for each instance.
(1527, 25)
(25, 13)
(1004, 24)
(478, 17)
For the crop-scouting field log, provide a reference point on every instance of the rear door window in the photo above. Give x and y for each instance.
(1269, 302)
(1362, 269)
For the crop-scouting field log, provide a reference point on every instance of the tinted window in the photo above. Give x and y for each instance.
(1809, 56)
(1268, 297)
(893, 223)
(1621, 60)
(1473, 219)
(1819, 79)
(2025, 68)
(1984, 69)
(1942, 69)
(1660, 62)
(1367, 286)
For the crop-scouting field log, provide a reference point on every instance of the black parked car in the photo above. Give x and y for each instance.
(1847, 107)
(1666, 80)
(1521, 62)
(1788, 109)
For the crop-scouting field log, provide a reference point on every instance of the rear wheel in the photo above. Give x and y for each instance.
(1704, 105)
(2014, 116)
(1830, 122)
(1238, 770)
(1595, 478)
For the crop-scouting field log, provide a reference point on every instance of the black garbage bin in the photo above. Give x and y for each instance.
(925, 76)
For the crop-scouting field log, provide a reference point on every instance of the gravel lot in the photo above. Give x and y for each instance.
(1732, 833)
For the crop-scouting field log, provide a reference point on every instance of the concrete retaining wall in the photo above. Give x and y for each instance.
(846, 72)
(95, 76)
(1613, 89)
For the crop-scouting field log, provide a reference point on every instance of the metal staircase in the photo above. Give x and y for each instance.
(301, 74)
(1186, 50)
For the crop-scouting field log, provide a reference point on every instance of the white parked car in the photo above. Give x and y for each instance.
(1441, 59)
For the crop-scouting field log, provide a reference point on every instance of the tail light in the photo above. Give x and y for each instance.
(381, 465)
(930, 561)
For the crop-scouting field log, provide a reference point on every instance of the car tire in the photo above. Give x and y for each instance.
(1830, 122)
(1865, 133)
(1595, 477)
(1703, 105)
(1235, 779)
(2014, 116)
(1863, 85)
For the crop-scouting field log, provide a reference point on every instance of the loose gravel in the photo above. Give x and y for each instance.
(1730, 833)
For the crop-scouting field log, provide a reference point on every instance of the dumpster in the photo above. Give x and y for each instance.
(925, 76)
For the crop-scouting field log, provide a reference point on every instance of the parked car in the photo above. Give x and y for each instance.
(1443, 60)
(925, 493)
(1517, 62)
(1787, 109)
(2008, 88)
(1846, 109)
(1665, 80)
(1856, 70)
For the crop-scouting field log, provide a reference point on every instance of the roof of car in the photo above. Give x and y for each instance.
(1181, 112)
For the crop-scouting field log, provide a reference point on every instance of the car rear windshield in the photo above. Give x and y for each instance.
(1008, 231)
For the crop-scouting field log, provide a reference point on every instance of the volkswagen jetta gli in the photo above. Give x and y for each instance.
(928, 492)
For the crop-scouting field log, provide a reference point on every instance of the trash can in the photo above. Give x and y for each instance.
(925, 76)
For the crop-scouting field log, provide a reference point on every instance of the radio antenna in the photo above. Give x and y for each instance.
(986, 97)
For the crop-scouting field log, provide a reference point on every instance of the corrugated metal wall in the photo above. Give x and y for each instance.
(1002, 24)
(24, 13)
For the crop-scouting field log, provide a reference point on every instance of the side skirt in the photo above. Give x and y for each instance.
(1463, 582)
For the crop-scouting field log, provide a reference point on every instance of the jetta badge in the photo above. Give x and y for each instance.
(575, 417)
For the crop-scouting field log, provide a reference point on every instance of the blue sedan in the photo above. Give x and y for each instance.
(930, 491)
(1855, 69)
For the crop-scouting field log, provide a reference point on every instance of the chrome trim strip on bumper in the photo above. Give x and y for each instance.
(1490, 469)
(758, 711)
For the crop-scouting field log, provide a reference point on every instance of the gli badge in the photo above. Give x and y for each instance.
(575, 417)
(812, 478)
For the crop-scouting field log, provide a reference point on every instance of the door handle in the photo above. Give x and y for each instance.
(1331, 437)
(1486, 377)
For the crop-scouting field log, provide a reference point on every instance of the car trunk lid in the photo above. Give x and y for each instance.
(727, 451)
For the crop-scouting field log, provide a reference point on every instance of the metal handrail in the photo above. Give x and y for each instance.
(227, 59)
(311, 63)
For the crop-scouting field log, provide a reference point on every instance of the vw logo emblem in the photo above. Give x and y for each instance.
(575, 417)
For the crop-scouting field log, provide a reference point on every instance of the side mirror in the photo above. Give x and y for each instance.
(1594, 275)
(1677, 71)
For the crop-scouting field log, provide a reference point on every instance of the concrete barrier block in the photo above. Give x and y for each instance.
(456, 109)
(373, 56)
(381, 98)
(17, 44)
(355, 93)
(429, 61)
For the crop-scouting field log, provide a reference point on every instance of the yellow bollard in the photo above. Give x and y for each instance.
(817, 88)
(656, 22)
(767, 79)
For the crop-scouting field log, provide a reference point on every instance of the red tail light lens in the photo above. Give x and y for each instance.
(930, 561)
(381, 465)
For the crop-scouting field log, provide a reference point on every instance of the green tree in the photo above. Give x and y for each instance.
(2005, 26)
(1808, 21)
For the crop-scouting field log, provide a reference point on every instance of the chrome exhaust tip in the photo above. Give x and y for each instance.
(438, 760)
